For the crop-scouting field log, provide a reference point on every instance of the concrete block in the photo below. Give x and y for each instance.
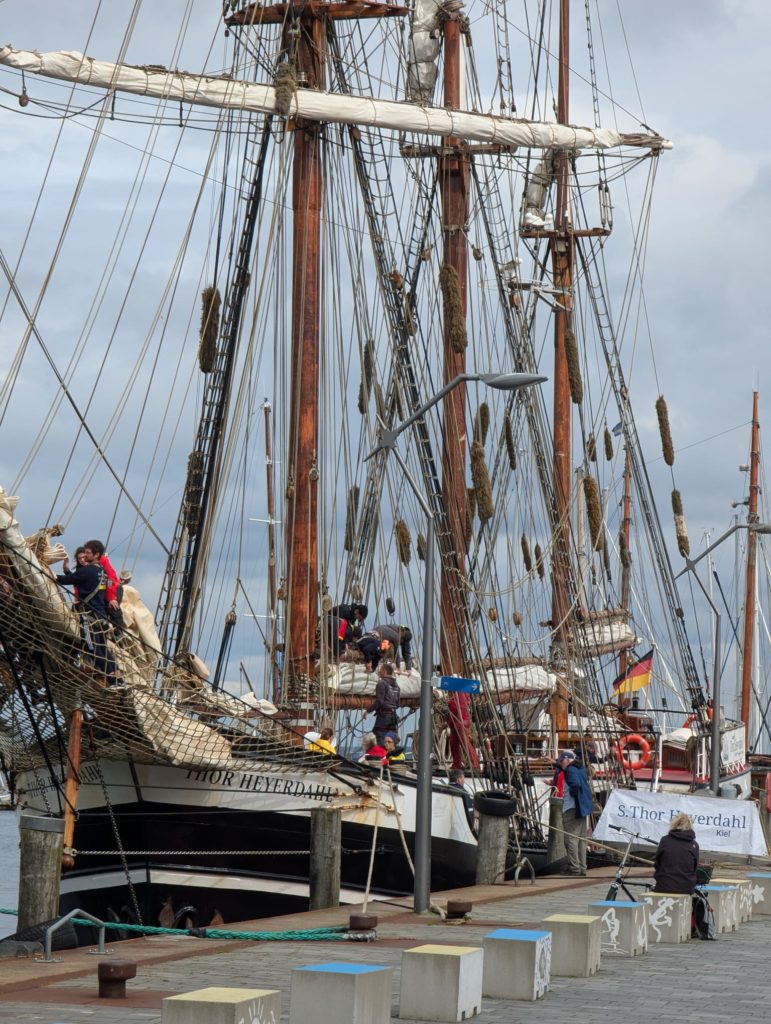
(624, 926)
(517, 964)
(441, 983)
(223, 1006)
(340, 993)
(724, 902)
(576, 944)
(761, 893)
(669, 917)
(743, 898)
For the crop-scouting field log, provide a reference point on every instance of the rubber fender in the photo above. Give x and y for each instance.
(498, 803)
(63, 938)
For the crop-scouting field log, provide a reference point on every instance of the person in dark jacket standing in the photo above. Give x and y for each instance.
(577, 804)
(677, 857)
(386, 703)
(89, 582)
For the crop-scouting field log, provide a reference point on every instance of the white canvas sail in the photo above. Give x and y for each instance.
(321, 106)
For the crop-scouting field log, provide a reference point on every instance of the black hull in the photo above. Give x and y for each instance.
(239, 885)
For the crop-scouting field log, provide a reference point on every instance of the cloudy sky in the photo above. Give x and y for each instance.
(694, 70)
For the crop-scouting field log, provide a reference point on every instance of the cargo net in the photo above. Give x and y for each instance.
(135, 703)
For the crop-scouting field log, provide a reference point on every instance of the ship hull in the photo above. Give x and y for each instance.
(240, 846)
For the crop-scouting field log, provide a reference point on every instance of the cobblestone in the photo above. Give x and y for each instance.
(725, 979)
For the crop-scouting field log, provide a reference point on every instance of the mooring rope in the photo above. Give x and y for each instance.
(337, 933)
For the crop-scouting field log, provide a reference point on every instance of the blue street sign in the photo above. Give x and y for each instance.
(459, 685)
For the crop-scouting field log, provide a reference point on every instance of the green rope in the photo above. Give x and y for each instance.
(331, 934)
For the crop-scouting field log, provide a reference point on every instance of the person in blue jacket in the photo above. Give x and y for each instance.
(577, 804)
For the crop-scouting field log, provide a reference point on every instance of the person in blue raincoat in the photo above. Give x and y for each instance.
(577, 805)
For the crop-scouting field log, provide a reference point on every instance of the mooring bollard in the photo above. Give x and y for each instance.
(113, 975)
(457, 909)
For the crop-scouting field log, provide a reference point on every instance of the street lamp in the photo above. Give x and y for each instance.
(387, 442)
(690, 566)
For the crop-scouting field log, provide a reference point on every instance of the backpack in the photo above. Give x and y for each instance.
(702, 917)
(394, 695)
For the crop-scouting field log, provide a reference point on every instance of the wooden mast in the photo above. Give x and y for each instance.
(71, 783)
(749, 591)
(562, 269)
(626, 569)
(307, 52)
(453, 177)
(302, 473)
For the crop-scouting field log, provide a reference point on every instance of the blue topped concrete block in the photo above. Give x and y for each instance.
(517, 933)
(716, 888)
(759, 874)
(517, 963)
(340, 993)
(341, 968)
(615, 903)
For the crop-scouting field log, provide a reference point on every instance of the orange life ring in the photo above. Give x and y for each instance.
(642, 743)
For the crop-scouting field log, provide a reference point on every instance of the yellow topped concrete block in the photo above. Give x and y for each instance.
(585, 918)
(446, 950)
(222, 995)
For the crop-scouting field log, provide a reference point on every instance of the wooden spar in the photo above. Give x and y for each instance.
(562, 269)
(749, 591)
(277, 14)
(453, 176)
(272, 602)
(626, 568)
(302, 474)
(71, 782)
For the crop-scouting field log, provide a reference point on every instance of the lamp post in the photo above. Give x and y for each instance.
(387, 442)
(690, 566)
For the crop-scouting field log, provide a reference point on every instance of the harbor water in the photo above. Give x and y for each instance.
(9, 874)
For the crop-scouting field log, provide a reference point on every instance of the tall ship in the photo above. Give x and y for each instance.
(346, 316)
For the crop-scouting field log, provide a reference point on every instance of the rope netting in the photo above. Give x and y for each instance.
(58, 659)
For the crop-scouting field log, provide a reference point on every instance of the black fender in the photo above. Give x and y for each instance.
(498, 803)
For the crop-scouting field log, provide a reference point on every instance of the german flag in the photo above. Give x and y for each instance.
(635, 678)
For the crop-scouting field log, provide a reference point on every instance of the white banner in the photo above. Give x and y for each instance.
(721, 826)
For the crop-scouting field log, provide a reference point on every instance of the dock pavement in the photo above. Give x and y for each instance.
(728, 979)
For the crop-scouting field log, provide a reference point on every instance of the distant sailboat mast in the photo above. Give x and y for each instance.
(626, 558)
(750, 585)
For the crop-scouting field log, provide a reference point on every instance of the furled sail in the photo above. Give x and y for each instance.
(314, 105)
(424, 51)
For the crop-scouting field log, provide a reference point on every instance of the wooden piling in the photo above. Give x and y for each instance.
(555, 849)
(39, 869)
(491, 849)
(325, 858)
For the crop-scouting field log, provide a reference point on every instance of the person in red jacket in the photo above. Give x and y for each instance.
(95, 553)
(459, 721)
